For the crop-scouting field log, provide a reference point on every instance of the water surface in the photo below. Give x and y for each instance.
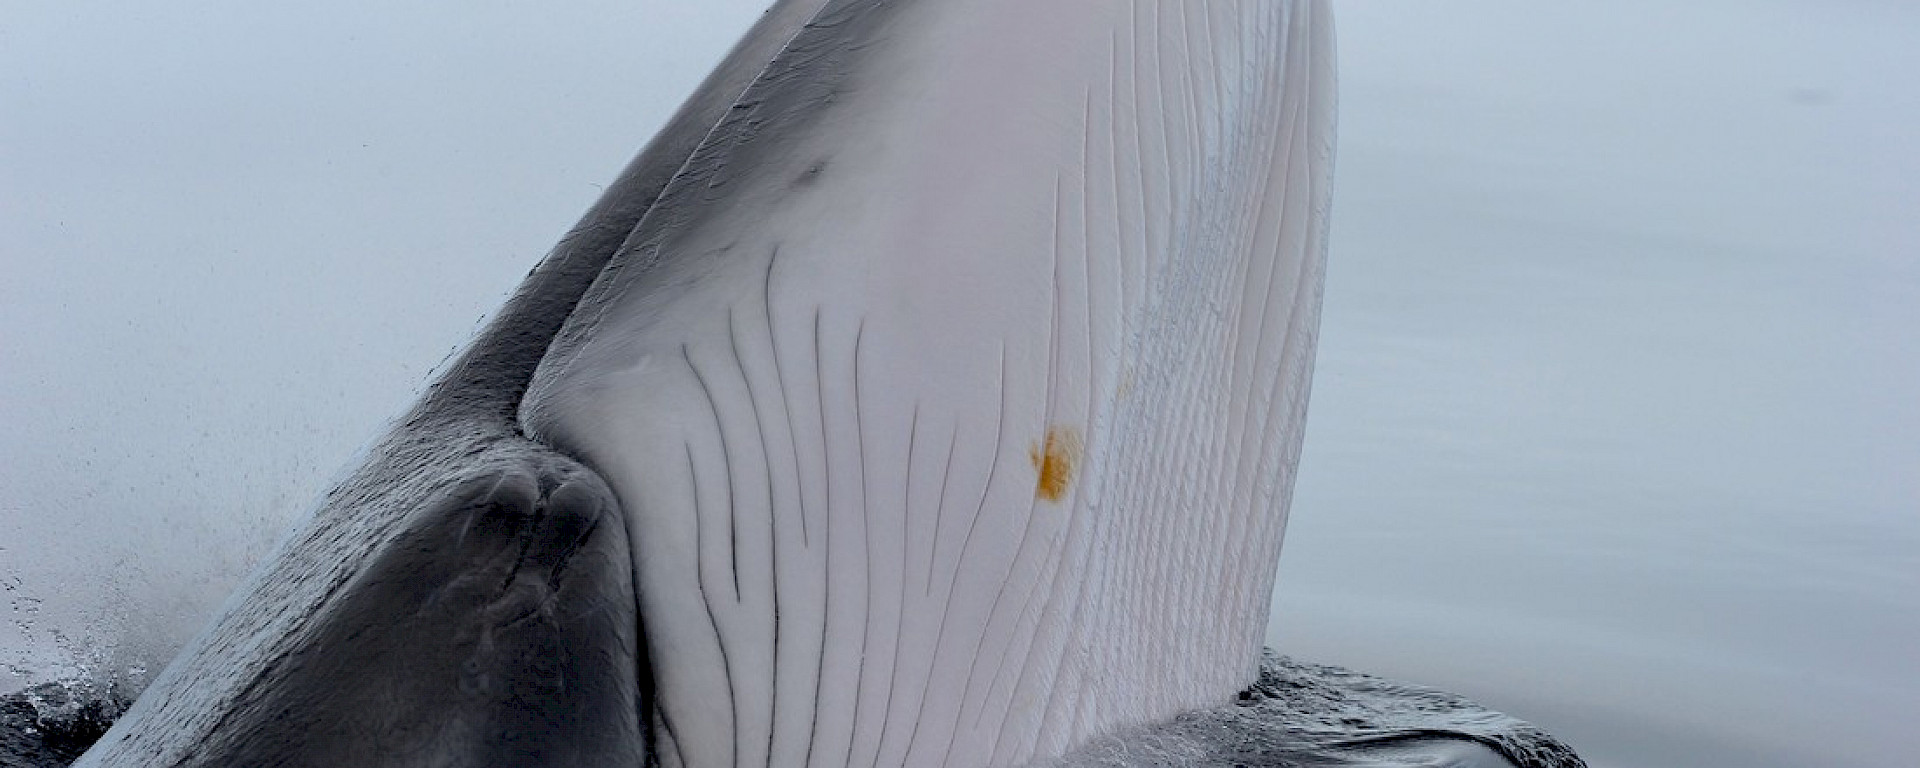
(1614, 424)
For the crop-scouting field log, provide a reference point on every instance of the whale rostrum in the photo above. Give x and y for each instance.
(928, 392)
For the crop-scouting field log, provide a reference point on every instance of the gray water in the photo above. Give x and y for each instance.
(1614, 426)
(1616, 423)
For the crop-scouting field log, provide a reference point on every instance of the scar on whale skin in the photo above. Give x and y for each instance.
(1054, 460)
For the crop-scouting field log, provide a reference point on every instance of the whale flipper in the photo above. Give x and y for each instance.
(1302, 715)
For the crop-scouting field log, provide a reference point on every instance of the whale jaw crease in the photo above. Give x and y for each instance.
(954, 416)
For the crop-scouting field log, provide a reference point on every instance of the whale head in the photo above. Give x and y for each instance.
(927, 392)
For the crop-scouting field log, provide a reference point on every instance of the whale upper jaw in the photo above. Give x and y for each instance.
(927, 396)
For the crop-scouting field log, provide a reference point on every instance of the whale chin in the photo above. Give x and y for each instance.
(928, 392)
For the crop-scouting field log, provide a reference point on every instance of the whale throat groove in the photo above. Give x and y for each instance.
(954, 423)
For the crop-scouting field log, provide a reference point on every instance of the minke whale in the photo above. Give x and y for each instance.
(927, 392)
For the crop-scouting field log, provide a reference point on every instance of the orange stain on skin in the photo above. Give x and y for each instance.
(1054, 461)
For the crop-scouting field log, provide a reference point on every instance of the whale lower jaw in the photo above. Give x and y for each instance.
(954, 409)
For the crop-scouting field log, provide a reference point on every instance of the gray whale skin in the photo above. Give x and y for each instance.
(495, 585)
